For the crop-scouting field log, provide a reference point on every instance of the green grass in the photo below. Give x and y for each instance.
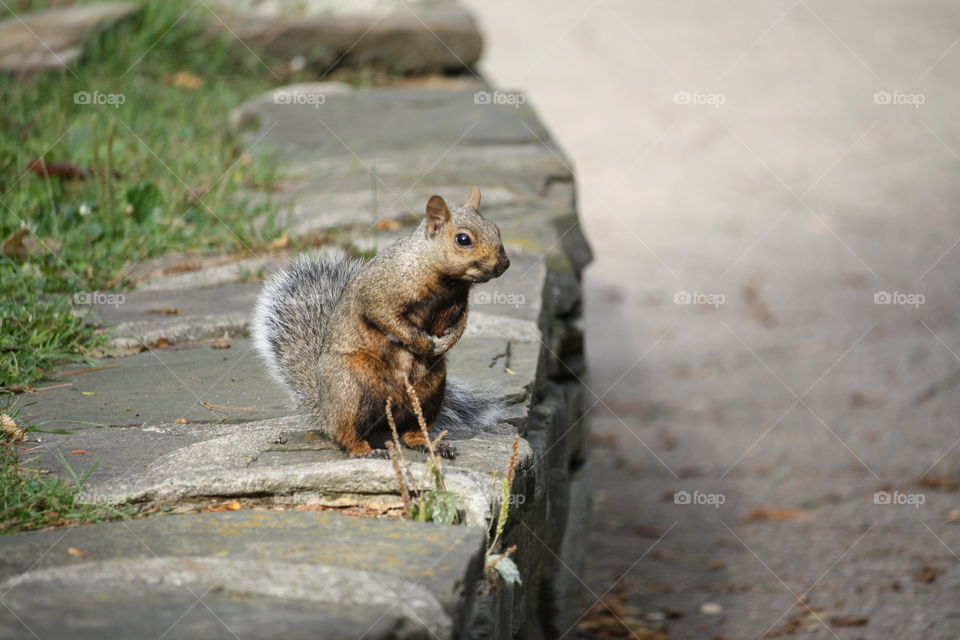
(31, 500)
(146, 159)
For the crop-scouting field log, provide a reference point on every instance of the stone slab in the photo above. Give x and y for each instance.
(346, 125)
(276, 572)
(191, 464)
(53, 39)
(163, 385)
(186, 315)
(432, 36)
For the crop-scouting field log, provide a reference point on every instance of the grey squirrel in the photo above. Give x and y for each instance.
(344, 336)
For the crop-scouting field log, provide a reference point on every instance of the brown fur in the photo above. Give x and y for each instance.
(394, 323)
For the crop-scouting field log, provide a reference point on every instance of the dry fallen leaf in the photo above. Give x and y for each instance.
(79, 451)
(281, 242)
(181, 421)
(162, 343)
(185, 80)
(76, 553)
(9, 427)
(775, 514)
(220, 345)
(234, 506)
(387, 224)
(165, 311)
(88, 393)
(849, 621)
(926, 574)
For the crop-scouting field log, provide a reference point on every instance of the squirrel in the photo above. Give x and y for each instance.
(346, 336)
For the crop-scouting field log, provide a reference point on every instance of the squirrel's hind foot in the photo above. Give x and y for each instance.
(444, 450)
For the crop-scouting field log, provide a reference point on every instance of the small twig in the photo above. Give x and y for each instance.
(218, 407)
(53, 386)
(90, 370)
(396, 442)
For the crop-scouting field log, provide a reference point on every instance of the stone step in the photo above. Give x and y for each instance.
(257, 573)
(54, 39)
(420, 36)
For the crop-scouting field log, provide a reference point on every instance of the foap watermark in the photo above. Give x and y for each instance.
(96, 98)
(908, 499)
(496, 297)
(288, 96)
(898, 297)
(509, 98)
(699, 98)
(698, 297)
(99, 298)
(898, 98)
(697, 498)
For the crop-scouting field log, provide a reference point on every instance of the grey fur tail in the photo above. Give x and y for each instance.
(292, 310)
(289, 331)
(465, 407)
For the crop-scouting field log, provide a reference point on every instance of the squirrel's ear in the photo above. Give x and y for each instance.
(473, 202)
(437, 214)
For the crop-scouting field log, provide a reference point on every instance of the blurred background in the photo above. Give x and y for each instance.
(771, 193)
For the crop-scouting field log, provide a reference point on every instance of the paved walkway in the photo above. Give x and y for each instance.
(786, 165)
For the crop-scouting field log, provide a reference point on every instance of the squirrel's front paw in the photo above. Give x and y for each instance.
(442, 344)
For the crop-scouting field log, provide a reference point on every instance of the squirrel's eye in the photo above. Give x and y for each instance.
(463, 240)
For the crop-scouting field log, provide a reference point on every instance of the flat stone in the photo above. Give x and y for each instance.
(177, 464)
(163, 385)
(353, 124)
(53, 39)
(276, 572)
(187, 315)
(426, 36)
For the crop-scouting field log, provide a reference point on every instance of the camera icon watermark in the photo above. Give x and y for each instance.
(697, 498)
(697, 297)
(96, 98)
(90, 298)
(896, 498)
(508, 98)
(495, 297)
(699, 98)
(896, 98)
(294, 97)
(899, 298)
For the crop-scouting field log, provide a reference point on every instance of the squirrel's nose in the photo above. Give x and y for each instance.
(503, 263)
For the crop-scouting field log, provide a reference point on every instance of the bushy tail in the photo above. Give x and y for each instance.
(292, 311)
(465, 408)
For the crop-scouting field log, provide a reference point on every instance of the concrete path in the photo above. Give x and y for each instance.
(772, 317)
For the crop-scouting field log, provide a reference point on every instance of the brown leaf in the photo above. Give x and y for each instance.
(926, 574)
(281, 242)
(946, 482)
(220, 345)
(19, 244)
(184, 80)
(59, 170)
(165, 311)
(233, 506)
(181, 421)
(387, 224)
(76, 553)
(775, 514)
(849, 621)
(161, 343)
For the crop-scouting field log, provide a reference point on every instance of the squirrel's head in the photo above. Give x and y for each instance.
(468, 246)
